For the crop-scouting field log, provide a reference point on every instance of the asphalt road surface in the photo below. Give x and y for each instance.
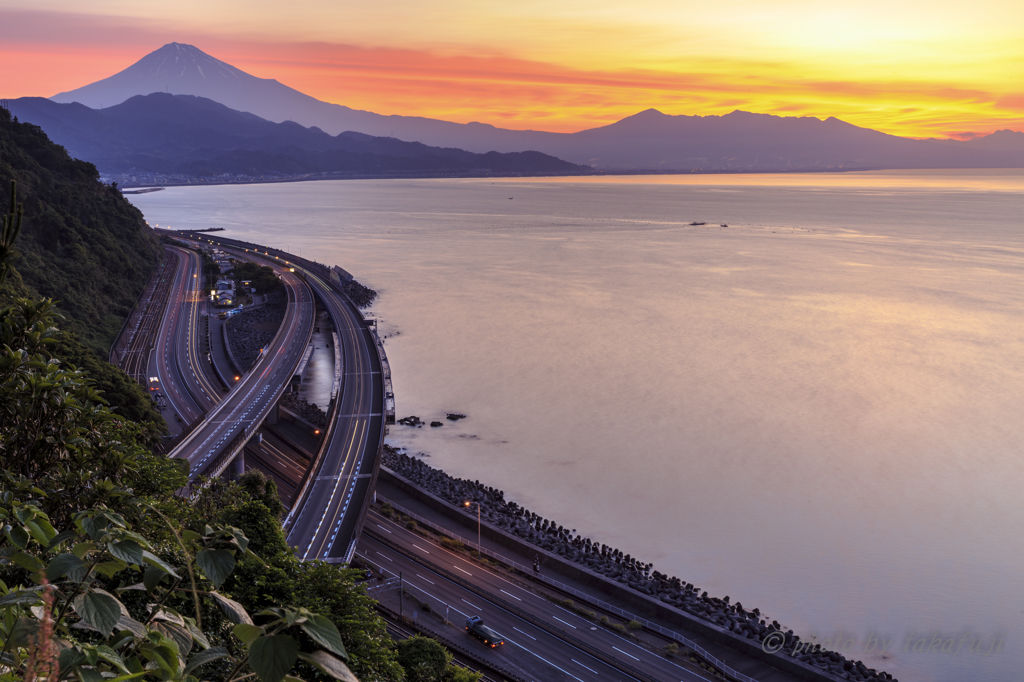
(527, 646)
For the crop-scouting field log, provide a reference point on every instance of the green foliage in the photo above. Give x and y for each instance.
(263, 278)
(56, 432)
(10, 226)
(126, 580)
(124, 395)
(82, 607)
(423, 659)
(457, 674)
(84, 245)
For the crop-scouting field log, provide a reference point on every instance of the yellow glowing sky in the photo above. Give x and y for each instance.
(909, 67)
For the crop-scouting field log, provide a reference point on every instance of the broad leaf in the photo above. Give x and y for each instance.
(154, 560)
(60, 539)
(212, 654)
(22, 632)
(197, 634)
(335, 667)
(152, 577)
(110, 656)
(168, 615)
(110, 568)
(162, 651)
(83, 548)
(216, 564)
(29, 596)
(69, 658)
(181, 636)
(98, 610)
(89, 675)
(41, 530)
(322, 631)
(127, 551)
(62, 565)
(131, 625)
(28, 562)
(272, 657)
(235, 612)
(247, 633)
(18, 536)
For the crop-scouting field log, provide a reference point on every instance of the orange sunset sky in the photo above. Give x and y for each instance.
(917, 68)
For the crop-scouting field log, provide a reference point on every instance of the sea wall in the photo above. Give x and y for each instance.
(620, 575)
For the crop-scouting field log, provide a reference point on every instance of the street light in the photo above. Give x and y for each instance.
(477, 525)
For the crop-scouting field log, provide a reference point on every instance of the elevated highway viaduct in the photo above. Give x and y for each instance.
(327, 512)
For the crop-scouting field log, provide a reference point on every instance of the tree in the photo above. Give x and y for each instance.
(107, 606)
(10, 226)
(424, 659)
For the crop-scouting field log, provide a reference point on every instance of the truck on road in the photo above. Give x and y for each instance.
(475, 626)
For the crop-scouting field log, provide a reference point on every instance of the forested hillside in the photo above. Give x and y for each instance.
(83, 245)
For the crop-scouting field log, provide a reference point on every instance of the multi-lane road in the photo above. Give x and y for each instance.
(324, 521)
(544, 640)
(176, 362)
(328, 508)
(529, 621)
(230, 422)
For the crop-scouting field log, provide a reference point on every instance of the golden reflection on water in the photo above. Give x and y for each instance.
(974, 179)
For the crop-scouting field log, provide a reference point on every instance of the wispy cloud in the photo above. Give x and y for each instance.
(53, 51)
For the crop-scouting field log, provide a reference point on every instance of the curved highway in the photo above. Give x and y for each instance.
(181, 375)
(231, 422)
(325, 521)
(329, 507)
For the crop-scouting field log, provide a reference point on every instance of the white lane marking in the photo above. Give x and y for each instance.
(422, 578)
(525, 633)
(509, 641)
(583, 666)
(420, 548)
(464, 571)
(511, 595)
(384, 529)
(473, 605)
(562, 621)
(623, 652)
(385, 557)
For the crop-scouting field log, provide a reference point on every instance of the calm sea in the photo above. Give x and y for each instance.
(810, 403)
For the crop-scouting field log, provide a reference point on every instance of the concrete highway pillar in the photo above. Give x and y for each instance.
(237, 466)
(272, 415)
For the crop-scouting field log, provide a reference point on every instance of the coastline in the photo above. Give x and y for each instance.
(140, 188)
(613, 565)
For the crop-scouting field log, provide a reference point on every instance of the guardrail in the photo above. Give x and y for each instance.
(519, 612)
(603, 605)
(224, 457)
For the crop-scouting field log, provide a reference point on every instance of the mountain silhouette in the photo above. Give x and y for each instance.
(649, 140)
(195, 136)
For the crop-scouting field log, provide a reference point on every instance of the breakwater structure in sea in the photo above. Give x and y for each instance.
(744, 623)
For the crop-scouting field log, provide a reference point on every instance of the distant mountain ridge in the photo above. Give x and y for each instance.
(648, 140)
(194, 136)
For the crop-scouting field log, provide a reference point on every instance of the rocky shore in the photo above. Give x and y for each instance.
(254, 328)
(361, 295)
(311, 412)
(623, 568)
